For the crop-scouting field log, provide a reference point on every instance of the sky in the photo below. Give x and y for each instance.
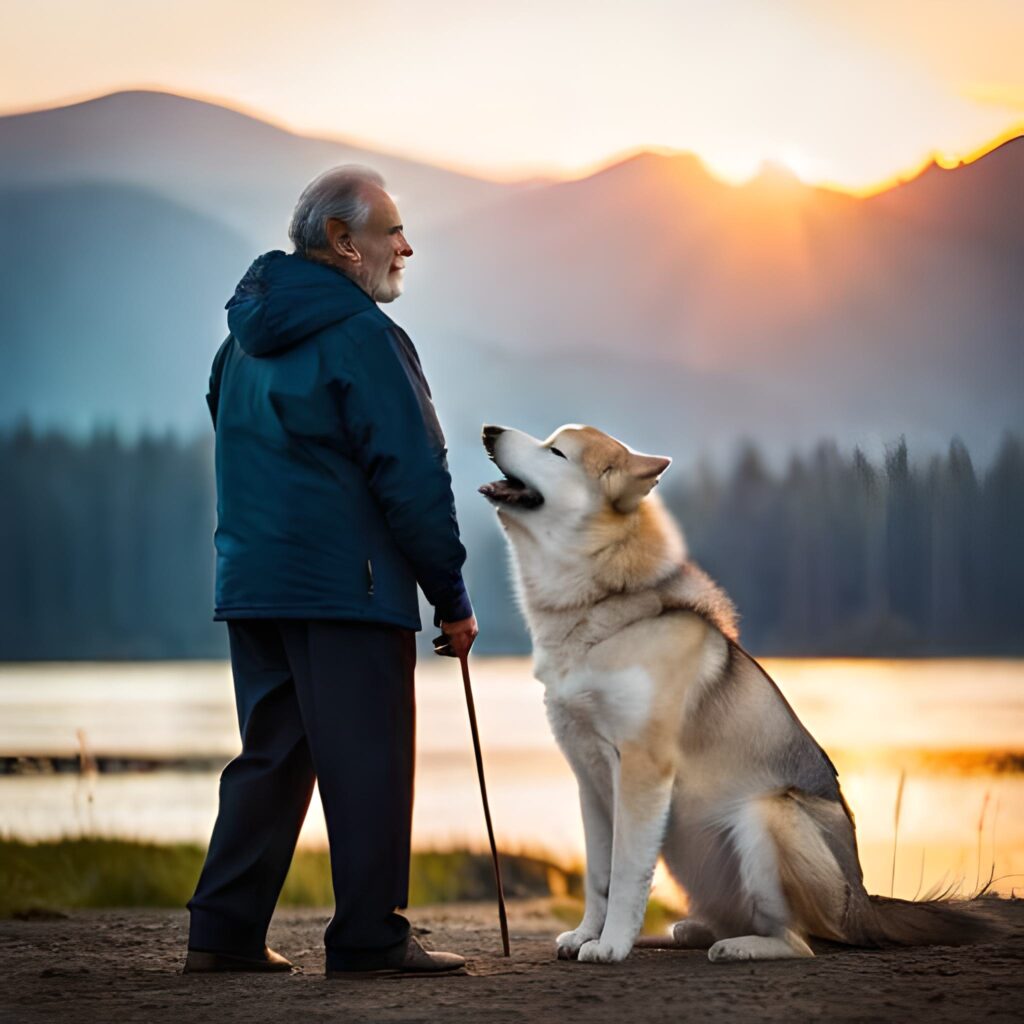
(846, 94)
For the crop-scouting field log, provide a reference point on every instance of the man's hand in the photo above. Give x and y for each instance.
(461, 635)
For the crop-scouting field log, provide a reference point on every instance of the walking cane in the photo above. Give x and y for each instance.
(442, 647)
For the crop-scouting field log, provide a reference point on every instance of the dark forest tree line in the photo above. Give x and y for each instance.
(107, 551)
(107, 548)
(839, 556)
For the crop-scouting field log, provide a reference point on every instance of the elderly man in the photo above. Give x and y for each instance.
(333, 502)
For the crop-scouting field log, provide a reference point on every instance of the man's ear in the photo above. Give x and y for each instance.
(340, 240)
(628, 485)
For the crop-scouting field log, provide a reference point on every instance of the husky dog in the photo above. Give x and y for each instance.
(681, 744)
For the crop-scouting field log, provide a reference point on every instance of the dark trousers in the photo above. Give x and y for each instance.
(317, 700)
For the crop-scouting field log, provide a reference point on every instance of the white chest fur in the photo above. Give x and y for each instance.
(613, 705)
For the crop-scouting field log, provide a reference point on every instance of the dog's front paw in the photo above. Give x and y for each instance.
(600, 951)
(568, 944)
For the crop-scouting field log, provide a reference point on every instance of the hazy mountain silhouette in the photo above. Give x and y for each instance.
(649, 298)
(112, 301)
(984, 199)
(772, 309)
(232, 167)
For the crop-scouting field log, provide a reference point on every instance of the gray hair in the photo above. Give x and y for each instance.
(340, 193)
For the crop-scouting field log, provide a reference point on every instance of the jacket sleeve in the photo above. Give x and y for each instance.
(397, 441)
(216, 371)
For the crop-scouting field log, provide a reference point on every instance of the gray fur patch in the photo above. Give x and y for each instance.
(690, 588)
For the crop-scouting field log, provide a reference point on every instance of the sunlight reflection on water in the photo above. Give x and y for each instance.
(955, 726)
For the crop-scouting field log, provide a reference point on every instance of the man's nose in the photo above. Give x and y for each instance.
(404, 248)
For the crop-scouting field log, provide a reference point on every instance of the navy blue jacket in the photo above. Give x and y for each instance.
(333, 493)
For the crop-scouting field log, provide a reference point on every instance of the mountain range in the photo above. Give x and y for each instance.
(233, 168)
(650, 298)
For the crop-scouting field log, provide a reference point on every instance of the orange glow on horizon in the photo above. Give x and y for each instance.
(736, 176)
(854, 98)
(945, 160)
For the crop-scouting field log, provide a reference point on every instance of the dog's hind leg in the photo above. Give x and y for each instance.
(692, 933)
(788, 946)
(754, 829)
(642, 799)
(593, 764)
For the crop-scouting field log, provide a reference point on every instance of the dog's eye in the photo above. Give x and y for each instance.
(555, 451)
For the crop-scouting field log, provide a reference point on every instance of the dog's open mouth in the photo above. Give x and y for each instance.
(512, 491)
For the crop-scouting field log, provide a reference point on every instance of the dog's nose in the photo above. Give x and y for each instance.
(490, 437)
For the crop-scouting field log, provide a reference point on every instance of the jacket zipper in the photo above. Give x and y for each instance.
(369, 578)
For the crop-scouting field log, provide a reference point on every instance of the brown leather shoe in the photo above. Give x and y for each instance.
(415, 960)
(201, 962)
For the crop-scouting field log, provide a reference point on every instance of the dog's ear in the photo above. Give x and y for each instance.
(627, 485)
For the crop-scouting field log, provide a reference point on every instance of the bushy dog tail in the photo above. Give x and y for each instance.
(823, 883)
(880, 921)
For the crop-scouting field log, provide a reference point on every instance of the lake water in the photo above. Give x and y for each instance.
(955, 727)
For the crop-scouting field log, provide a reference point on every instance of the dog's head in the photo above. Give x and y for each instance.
(574, 474)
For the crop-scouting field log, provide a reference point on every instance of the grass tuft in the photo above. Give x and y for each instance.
(92, 873)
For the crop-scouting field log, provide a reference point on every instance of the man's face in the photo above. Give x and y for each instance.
(383, 249)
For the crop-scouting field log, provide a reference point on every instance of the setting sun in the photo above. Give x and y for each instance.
(849, 97)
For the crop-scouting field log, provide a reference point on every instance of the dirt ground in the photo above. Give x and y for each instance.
(115, 966)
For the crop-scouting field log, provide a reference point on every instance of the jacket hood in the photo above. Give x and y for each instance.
(285, 298)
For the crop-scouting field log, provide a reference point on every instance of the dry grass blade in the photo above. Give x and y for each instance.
(978, 893)
(920, 877)
(896, 828)
(995, 822)
(981, 826)
(86, 762)
(942, 891)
